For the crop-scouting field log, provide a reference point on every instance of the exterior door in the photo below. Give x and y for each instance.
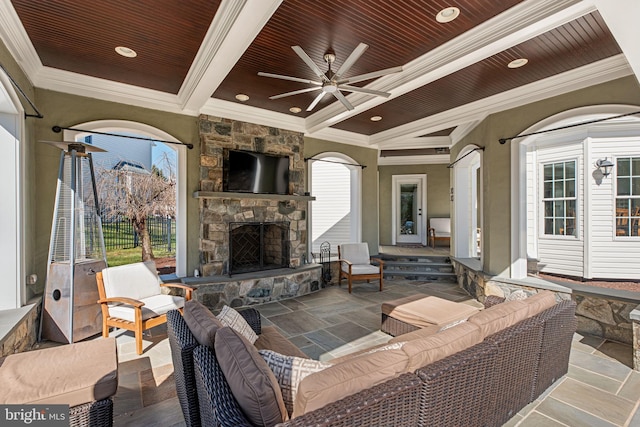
(409, 201)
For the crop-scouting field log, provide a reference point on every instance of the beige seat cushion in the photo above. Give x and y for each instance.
(432, 348)
(417, 334)
(500, 316)
(540, 302)
(154, 306)
(71, 374)
(347, 378)
(271, 339)
(432, 311)
(388, 306)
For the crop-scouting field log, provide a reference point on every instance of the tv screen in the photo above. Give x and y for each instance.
(249, 172)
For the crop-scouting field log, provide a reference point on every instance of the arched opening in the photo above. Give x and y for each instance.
(335, 215)
(127, 127)
(12, 253)
(560, 205)
(467, 204)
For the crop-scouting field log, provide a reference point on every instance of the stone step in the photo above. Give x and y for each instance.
(417, 265)
(421, 275)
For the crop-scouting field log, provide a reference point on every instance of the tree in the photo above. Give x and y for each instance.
(136, 194)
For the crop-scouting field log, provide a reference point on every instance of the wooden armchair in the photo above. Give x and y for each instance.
(355, 264)
(440, 229)
(131, 299)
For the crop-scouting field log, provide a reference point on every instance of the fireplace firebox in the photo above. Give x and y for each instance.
(256, 246)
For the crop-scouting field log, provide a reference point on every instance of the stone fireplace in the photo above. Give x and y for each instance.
(219, 210)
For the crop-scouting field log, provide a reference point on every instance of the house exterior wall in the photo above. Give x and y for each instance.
(119, 149)
(496, 168)
(369, 191)
(438, 200)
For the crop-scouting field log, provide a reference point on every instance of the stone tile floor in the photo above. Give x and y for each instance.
(600, 389)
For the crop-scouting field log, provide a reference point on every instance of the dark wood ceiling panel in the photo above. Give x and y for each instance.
(396, 31)
(80, 36)
(572, 45)
(443, 132)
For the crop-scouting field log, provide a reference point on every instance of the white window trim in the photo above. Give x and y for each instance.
(541, 200)
(181, 193)
(13, 286)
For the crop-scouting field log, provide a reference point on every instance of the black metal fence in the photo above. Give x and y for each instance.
(119, 233)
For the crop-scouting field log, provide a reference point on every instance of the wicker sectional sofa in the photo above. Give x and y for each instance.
(523, 348)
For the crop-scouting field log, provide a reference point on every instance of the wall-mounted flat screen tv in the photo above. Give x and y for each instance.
(250, 172)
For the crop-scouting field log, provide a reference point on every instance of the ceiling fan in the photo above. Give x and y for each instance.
(332, 82)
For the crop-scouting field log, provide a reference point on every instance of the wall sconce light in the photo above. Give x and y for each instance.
(605, 166)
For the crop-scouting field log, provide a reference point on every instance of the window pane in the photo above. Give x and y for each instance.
(635, 186)
(558, 171)
(624, 186)
(571, 227)
(548, 209)
(548, 172)
(635, 170)
(558, 189)
(558, 207)
(559, 226)
(622, 204)
(571, 209)
(635, 207)
(570, 170)
(570, 188)
(548, 190)
(624, 166)
(548, 226)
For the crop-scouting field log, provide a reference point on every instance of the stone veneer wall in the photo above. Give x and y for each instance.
(24, 335)
(216, 213)
(607, 318)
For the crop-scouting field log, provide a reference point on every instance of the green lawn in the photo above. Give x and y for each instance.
(128, 256)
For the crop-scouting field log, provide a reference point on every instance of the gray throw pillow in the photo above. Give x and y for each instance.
(202, 323)
(251, 381)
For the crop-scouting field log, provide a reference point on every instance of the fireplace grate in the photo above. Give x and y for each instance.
(256, 246)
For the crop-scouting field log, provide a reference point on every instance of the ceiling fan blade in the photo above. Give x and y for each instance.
(355, 55)
(342, 99)
(295, 92)
(293, 79)
(303, 55)
(349, 88)
(315, 101)
(372, 75)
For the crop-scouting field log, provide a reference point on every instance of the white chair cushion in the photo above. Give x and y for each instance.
(153, 306)
(363, 269)
(139, 280)
(356, 253)
(442, 226)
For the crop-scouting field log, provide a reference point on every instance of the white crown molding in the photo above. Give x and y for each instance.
(436, 159)
(17, 41)
(247, 113)
(516, 25)
(232, 30)
(415, 143)
(342, 136)
(107, 90)
(588, 75)
(463, 129)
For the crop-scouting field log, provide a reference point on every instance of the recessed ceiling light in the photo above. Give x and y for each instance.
(448, 14)
(517, 63)
(295, 110)
(125, 51)
(376, 118)
(242, 97)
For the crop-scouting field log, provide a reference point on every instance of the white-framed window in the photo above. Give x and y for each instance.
(628, 197)
(559, 199)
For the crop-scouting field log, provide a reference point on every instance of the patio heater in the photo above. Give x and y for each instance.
(76, 251)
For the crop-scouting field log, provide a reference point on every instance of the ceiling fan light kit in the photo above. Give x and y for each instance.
(332, 82)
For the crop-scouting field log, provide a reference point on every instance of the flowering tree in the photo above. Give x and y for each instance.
(136, 193)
